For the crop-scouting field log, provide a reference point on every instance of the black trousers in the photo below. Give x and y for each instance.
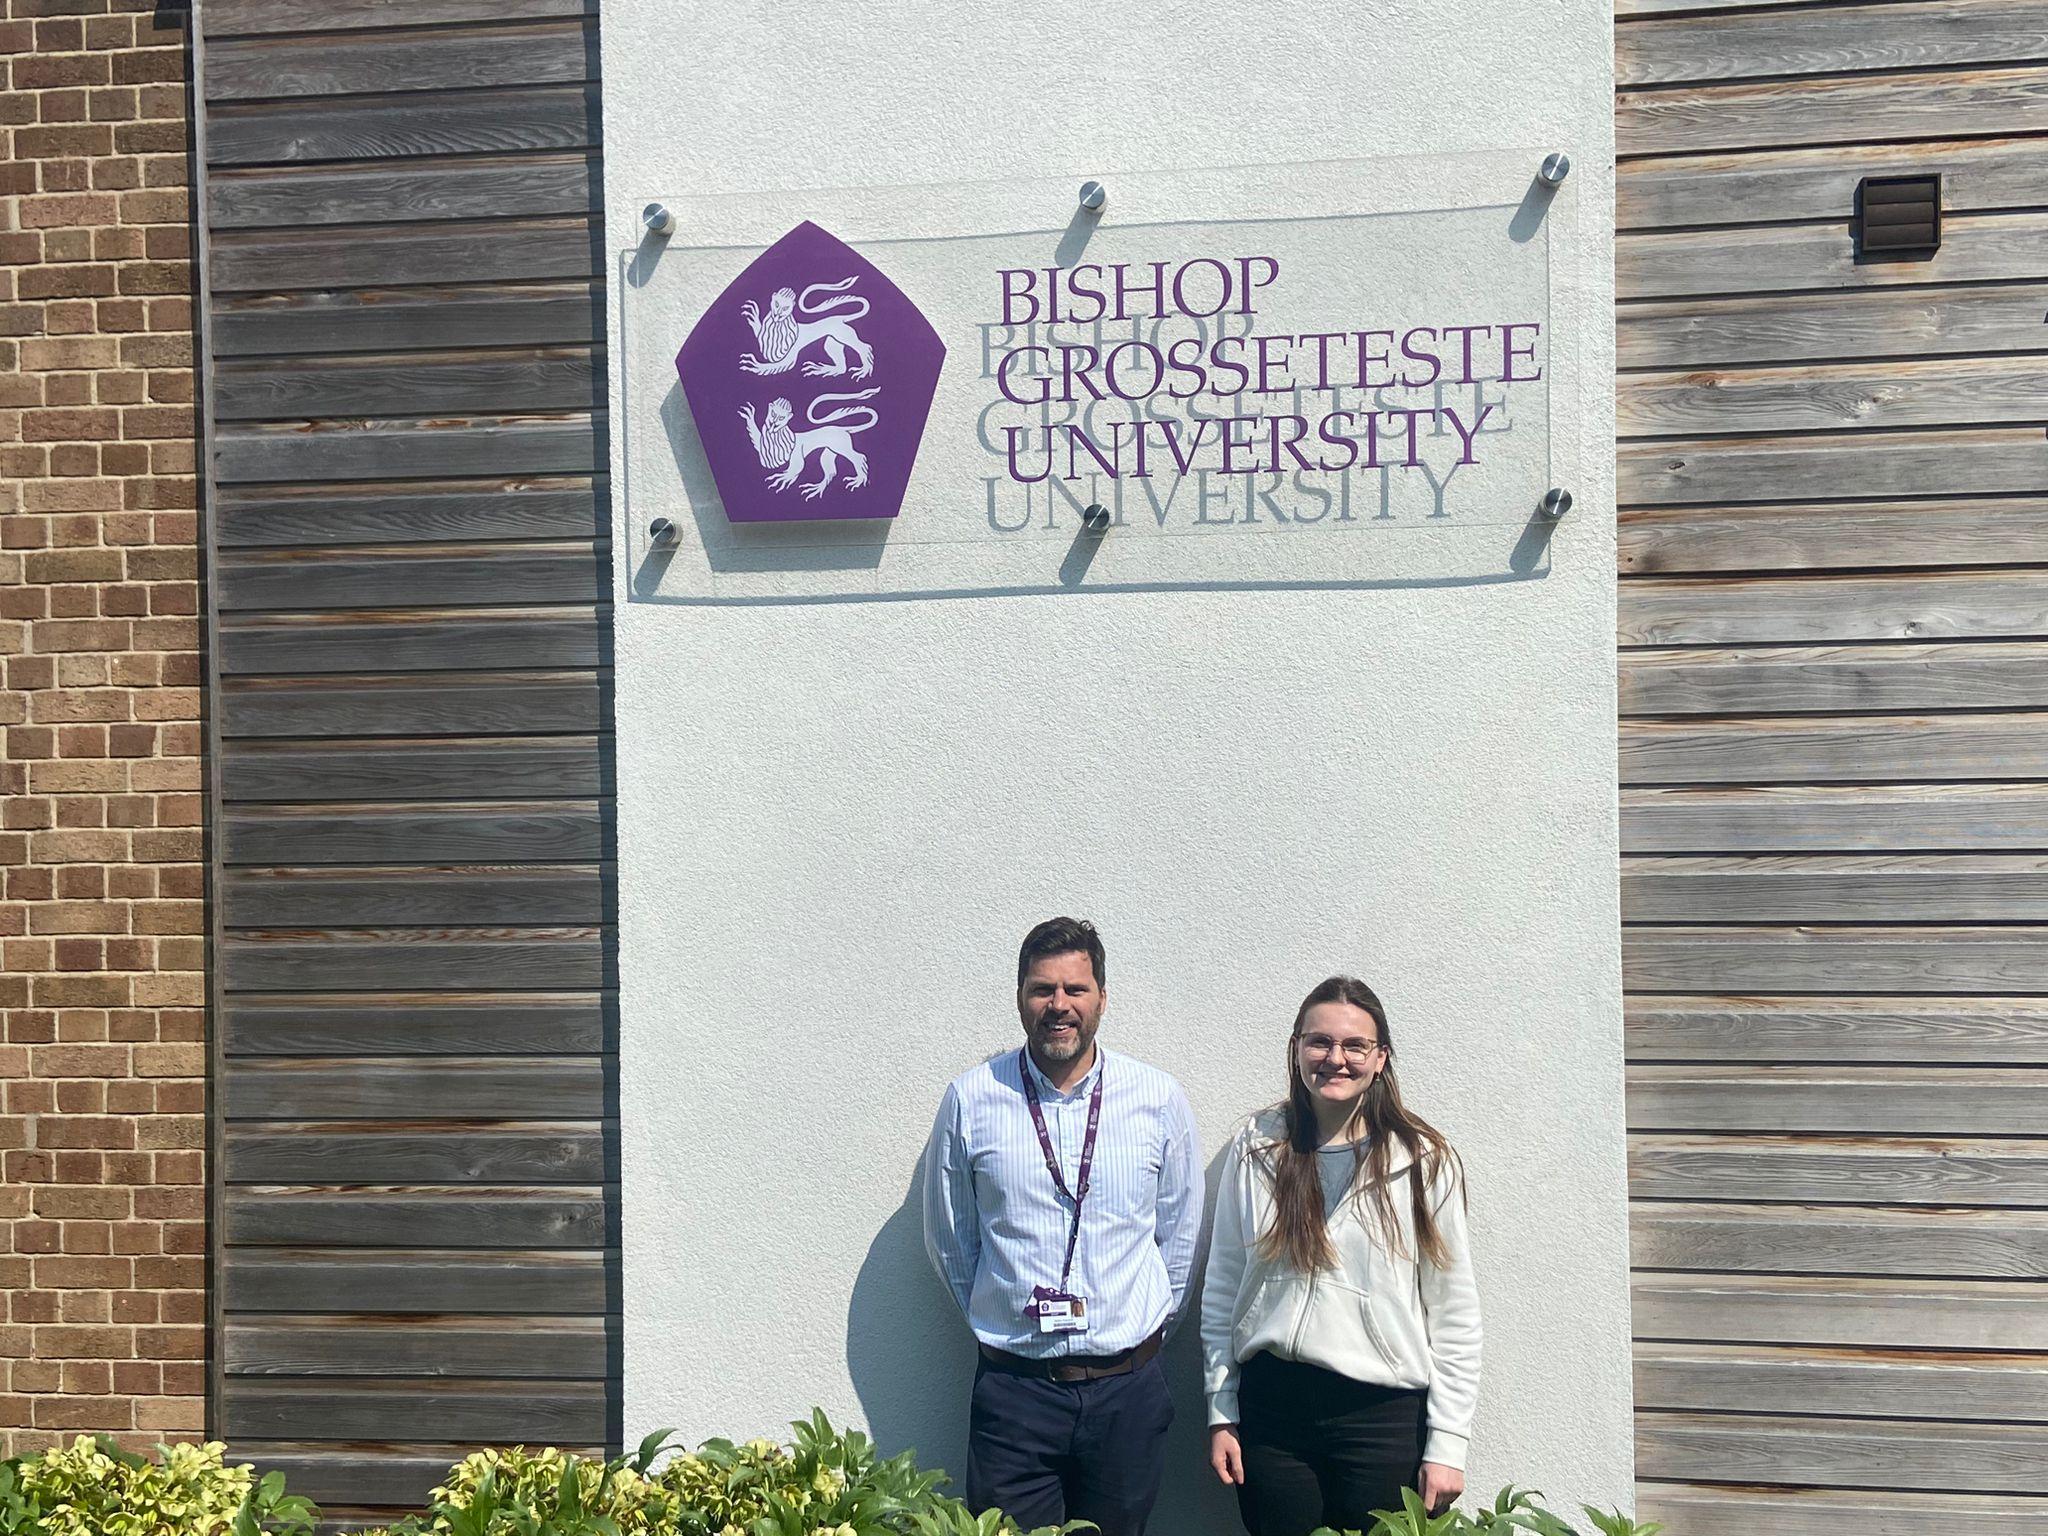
(1322, 1449)
(1046, 1452)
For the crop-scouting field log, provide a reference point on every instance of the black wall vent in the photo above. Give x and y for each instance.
(1898, 216)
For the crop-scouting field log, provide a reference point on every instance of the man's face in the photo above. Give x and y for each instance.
(1060, 1005)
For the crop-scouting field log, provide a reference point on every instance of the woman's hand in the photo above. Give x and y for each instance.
(1439, 1485)
(1226, 1455)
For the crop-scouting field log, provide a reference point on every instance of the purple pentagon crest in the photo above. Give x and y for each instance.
(809, 380)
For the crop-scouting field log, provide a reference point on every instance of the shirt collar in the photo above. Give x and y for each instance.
(1086, 1084)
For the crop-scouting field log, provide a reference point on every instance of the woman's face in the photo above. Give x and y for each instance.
(1338, 1052)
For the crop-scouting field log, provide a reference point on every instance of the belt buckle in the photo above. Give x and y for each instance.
(1066, 1372)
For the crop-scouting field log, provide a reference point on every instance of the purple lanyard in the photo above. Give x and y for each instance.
(1052, 1163)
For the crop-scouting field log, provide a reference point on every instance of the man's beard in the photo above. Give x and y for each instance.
(1054, 1050)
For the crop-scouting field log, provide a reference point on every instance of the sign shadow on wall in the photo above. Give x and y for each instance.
(911, 1360)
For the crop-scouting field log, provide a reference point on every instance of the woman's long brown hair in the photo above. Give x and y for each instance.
(1298, 1235)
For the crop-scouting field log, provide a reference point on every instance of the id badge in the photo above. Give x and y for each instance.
(1059, 1311)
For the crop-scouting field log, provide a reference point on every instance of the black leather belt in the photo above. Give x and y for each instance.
(1071, 1368)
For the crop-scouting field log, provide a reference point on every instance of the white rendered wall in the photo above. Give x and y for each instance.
(835, 821)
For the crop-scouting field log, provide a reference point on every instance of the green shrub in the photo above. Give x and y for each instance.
(1513, 1512)
(94, 1488)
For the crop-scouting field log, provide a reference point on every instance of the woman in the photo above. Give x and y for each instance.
(1340, 1324)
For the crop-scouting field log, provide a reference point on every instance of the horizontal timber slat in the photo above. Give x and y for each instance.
(1787, 960)
(367, 1474)
(1889, 1031)
(1811, 1239)
(527, 1348)
(1925, 747)
(359, 448)
(412, 576)
(341, 128)
(1800, 1309)
(1933, 392)
(552, 959)
(509, 832)
(1972, 605)
(1948, 1101)
(553, 703)
(1848, 109)
(414, 641)
(417, 1152)
(400, 319)
(1836, 819)
(1894, 888)
(414, 1088)
(492, 382)
(1819, 327)
(1702, 1510)
(460, 58)
(536, 768)
(1830, 39)
(1861, 466)
(1977, 175)
(408, 191)
(392, 895)
(417, 1280)
(522, 250)
(242, 18)
(1975, 247)
(1851, 1452)
(1951, 1385)
(537, 1413)
(1820, 536)
(1874, 1170)
(450, 512)
(456, 1216)
(1839, 679)
(417, 1024)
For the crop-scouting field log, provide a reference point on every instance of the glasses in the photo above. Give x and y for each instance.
(1358, 1052)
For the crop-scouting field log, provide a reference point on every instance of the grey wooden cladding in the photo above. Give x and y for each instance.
(1723, 1511)
(419, 1279)
(401, 191)
(1905, 34)
(1841, 1310)
(1692, 190)
(1815, 327)
(525, 119)
(565, 1349)
(1893, 1031)
(1810, 888)
(1833, 743)
(244, 68)
(414, 1015)
(310, 1089)
(419, 1024)
(456, 1216)
(349, 896)
(565, 767)
(418, 1152)
(413, 512)
(1820, 536)
(1937, 1243)
(1874, 1170)
(1857, 108)
(493, 380)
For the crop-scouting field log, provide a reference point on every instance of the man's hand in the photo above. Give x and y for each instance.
(1225, 1454)
(1439, 1485)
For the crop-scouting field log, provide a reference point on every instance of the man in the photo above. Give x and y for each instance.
(1062, 1201)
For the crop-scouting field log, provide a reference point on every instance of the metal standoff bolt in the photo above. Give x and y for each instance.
(1095, 518)
(658, 219)
(661, 533)
(1556, 502)
(1556, 167)
(1093, 195)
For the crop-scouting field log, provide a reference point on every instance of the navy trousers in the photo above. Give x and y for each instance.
(1046, 1452)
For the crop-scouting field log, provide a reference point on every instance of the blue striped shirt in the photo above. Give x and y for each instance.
(995, 1226)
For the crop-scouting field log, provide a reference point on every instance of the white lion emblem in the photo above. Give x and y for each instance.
(830, 437)
(792, 324)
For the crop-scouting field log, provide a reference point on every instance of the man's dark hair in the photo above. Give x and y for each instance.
(1062, 936)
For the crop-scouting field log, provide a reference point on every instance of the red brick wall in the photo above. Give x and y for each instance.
(102, 1211)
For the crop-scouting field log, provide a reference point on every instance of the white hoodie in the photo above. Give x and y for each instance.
(1377, 1316)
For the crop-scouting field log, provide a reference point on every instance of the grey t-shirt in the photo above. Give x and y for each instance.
(1336, 1165)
